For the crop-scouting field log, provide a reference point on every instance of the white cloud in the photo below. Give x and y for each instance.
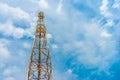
(26, 45)
(9, 30)
(93, 48)
(54, 46)
(11, 70)
(7, 72)
(15, 13)
(116, 4)
(67, 75)
(100, 54)
(10, 15)
(69, 71)
(105, 12)
(109, 22)
(30, 31)
(43, 4)
(12, 12)
(60, 6)
(49, 36)
(104, 9)
(4, 52)
(9, 78)
(105, 34)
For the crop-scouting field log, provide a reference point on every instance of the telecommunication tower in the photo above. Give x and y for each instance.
(40, 65)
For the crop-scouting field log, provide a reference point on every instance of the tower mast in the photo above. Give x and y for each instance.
(40, 65)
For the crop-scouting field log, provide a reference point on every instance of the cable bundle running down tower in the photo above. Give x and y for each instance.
(40, 66)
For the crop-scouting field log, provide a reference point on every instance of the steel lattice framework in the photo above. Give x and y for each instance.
(40, 66)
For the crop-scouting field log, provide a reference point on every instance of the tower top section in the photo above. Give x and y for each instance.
(41, 15)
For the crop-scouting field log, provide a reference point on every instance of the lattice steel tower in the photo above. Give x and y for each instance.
(40, 66)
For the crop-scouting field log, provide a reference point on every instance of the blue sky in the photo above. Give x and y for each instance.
(83, 37)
